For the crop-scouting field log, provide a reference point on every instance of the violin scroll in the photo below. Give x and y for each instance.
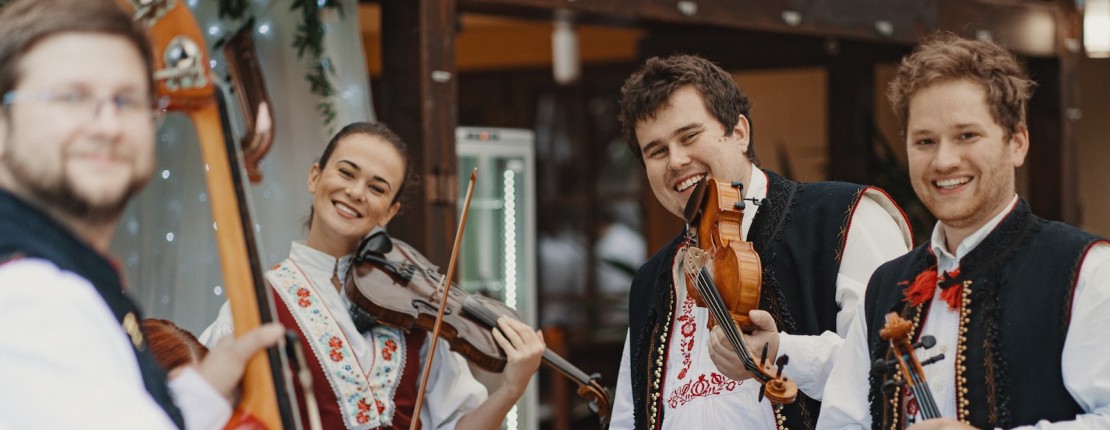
(897, 331)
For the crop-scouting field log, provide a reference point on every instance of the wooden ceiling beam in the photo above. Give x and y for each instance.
(1027, 27)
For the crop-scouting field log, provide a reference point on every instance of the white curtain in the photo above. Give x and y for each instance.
(165, 242)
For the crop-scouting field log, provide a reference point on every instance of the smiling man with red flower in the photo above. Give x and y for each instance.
(1019, 308)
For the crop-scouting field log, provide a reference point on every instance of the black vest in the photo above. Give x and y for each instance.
(1022, 277)
(799, 234)
(27, 232)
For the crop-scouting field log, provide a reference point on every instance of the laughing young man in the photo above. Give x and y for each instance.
(686, 119)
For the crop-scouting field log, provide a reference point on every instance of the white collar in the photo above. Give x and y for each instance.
(755, 188)
(318, 264)
(971, 241)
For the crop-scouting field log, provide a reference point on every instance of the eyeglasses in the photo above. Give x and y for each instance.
(83, 106)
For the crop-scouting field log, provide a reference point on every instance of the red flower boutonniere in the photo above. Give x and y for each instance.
(921, 289)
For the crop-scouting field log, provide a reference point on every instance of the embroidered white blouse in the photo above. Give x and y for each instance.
(1085, 368)
(452, 390)
(65, 362)
(696, 395)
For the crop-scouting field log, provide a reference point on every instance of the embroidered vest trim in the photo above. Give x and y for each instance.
(365, 400)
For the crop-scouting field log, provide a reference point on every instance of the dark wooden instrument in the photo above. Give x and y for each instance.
(400, 293)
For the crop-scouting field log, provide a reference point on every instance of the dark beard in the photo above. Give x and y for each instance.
(60, 195)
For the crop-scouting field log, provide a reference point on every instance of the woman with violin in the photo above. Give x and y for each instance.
(370, 380)
(688, 122)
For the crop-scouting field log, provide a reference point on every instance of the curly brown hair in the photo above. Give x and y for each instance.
(944, 57)
(649, 90)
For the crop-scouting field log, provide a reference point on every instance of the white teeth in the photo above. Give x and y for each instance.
(682, 186)
(948, 183)
(345, 209)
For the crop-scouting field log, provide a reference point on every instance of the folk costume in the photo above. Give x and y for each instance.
(819, 243)
(361, 381)
(71, 352)
(1019, 312)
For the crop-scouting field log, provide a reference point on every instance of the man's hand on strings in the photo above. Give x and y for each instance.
(523, 349)
(225, 363)
(726, 358)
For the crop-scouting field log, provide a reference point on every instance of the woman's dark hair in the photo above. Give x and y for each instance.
(373, 129)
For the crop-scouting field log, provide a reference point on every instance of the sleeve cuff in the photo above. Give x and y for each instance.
(811, 360)
(202, 406)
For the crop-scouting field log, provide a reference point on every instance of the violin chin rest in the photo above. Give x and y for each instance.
(377, 241)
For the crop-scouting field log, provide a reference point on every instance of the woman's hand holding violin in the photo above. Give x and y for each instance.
(524, 349)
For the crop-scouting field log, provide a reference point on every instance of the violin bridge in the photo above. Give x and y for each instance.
(694, 260)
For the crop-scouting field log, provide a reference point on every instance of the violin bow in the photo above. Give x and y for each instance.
(445, 287)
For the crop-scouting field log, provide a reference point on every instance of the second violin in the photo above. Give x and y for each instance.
(402, 291)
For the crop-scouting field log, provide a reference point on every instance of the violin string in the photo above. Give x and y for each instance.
(489, 317)
(717, 307)
(925, 399)
(714, 302)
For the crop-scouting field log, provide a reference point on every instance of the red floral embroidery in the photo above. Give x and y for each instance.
(336, 345)
(380, 405)
(363, 408)
(689, 326)
(716, 384)
(303, 300)
(389, 349)
(911, 404)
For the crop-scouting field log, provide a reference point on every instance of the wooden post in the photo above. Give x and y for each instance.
(419, 102)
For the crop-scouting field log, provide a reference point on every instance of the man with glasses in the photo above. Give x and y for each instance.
(76, 142)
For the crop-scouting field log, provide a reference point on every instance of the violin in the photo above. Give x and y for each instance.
(897, 331)
(731, 287)
(404, 293)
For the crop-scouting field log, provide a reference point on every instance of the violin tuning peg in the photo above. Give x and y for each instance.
(739, 205)
(926, 342)
(763, 357)
(737, 184)
(892, 384)
(932, 360)
(762, 389)
(880, 365)
(781, 363)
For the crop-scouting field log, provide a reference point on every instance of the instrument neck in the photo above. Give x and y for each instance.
(715, 303)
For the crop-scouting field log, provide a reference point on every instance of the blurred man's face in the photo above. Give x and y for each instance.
(78, 135)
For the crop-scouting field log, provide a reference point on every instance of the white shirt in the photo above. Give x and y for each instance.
(452, 390)
(1085, 369)
(66, 363)
(703, 398)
